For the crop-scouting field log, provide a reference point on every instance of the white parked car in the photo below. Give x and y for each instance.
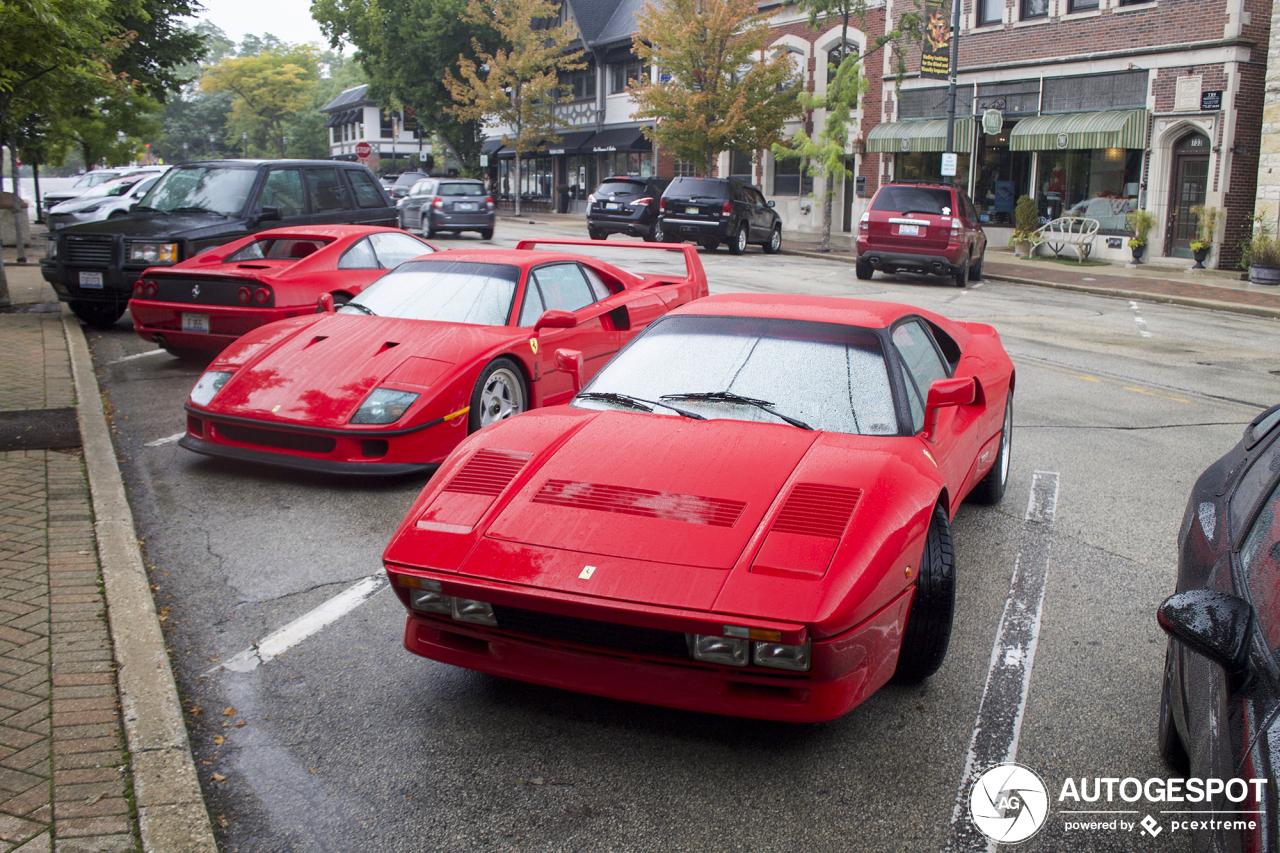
(108, 200)
(90, 180)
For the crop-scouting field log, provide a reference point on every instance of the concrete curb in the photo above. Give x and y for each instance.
(172, 817)
(1136, 295)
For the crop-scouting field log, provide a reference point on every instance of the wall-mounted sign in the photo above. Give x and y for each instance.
(1063, 141)
(949, 165)
(1211, 101)
(992, 122)
(935, 58)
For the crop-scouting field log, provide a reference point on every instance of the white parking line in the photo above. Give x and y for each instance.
(146, 354)
(1137, 318)
(1004, 698)
(278, 642)
(168, 439)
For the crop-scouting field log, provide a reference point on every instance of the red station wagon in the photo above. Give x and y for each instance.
(924, 228)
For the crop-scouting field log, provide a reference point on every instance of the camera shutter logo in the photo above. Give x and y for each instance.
(1009, 803)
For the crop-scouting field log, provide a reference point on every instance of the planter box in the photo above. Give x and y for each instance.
(1264, 275)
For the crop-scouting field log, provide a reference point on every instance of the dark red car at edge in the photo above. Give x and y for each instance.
(921, 228)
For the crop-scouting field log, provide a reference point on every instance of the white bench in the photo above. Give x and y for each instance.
(1078, 232)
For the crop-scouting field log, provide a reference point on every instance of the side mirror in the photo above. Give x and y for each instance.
(769, 203)
(947, 393)
(570, 361)
(555, 319)
(270, 213)
(1214, 624)
(325, 304)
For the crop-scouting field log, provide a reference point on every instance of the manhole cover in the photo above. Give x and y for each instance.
(39, 429)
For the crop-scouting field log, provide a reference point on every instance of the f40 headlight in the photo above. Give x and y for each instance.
(384, 406)
(209, 385)
(154, 253)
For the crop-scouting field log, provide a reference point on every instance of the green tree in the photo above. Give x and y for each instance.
(268, 89)
(826, 153)
(714, 94)
(405, 48)
(515, 85)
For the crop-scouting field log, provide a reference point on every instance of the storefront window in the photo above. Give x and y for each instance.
(580, 175)
(1002, 177)
(787, 179)
(927, 166)
(1099, 184)
(626, 163)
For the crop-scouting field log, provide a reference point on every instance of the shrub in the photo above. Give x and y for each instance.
(1140, 222)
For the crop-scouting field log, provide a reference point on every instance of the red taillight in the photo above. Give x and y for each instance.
(261, 295)
(437, 203)
(726, 208)
(150, 289)
(662, 205)
(137, 289)
(244, 294)
(489, 202)
(643, 201)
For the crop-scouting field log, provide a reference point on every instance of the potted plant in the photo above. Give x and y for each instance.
(1140, 222)
(1025, 223)
(1206, 227)
(1264, 260)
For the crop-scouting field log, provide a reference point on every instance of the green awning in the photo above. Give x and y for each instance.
(1113, 129)
(905, 137)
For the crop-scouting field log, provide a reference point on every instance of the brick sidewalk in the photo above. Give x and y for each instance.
(64, 781)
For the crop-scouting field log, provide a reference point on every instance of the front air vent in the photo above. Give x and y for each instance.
(488, 472)
(816, 510)
(82, 251)
(672, 506)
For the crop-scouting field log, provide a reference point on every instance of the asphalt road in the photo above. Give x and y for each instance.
(346, 742)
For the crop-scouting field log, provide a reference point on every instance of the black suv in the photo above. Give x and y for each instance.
(197, 206)
(626, 204)
(711, 211)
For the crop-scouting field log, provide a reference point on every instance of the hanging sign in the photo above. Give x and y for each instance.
(992, 122)
(935, 58)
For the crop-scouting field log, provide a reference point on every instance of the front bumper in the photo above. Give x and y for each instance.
(846, 669)
(382, 452)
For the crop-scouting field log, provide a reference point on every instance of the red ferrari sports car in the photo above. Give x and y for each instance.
(434, 350)
(199, 306)
(746, 512)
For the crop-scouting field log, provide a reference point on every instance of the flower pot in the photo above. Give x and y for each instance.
(1259, 274)
(1137, 253)
(1022, 248)
(1200, 255)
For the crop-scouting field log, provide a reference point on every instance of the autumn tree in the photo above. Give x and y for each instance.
(715, 93)
(406, 48)
(268, 90)
(825, 154)
(515, 85)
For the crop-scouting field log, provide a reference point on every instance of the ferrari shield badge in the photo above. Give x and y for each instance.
(533, 345)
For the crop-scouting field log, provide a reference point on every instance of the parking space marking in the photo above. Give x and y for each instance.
(168, 439)
(1137, 318)
(280, 641)
(1004, 698)
(136, 355)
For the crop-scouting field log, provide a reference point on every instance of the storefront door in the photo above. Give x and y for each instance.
(1190, 185)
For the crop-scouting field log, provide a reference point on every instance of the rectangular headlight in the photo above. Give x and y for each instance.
(477, 612)
(723, 650)
(783, 656)
(431, 601)
(154, 253)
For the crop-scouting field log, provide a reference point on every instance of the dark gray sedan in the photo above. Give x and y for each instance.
(447, 204)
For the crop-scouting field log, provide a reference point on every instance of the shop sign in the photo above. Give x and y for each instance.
(1063, 141)
(935, 59)
(992, 122)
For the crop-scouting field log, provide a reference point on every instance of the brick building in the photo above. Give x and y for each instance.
(1098, 107)
(1268, 201)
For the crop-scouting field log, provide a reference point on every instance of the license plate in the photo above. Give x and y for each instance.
(612, 206)
(909, 230)
(692, 210)
(465, 205)
(91, 279)
(195, 322)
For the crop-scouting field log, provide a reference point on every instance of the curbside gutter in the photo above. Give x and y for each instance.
(172, 817)
(1136, 295)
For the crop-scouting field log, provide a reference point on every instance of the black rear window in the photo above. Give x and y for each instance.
(621, 187)
(460, 188)
(709, 188)
(934, 200)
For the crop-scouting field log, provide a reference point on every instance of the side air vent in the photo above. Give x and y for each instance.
(816, 510)
(694, 509)
(488, 472)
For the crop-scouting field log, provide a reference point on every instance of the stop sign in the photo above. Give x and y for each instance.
(363, 150)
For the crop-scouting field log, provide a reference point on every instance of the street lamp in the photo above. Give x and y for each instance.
(245, 135)
(184, 152)
(212, 153)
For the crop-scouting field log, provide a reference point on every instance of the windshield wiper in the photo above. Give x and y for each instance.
(359, 307)
(138, 207)
(730, 397)
(196, 209)
(636, 403)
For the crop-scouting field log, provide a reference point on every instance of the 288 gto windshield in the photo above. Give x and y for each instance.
(448, 292)
(814, 375)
